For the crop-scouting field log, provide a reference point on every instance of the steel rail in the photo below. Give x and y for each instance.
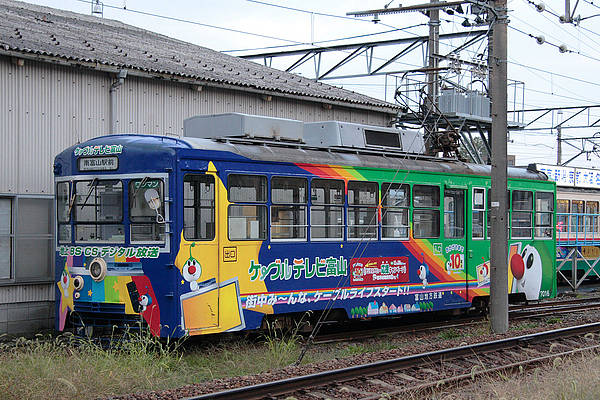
(284, 386)
(515, 313)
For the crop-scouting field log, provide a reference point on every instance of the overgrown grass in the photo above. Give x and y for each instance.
(450, 334)
(72, 368)
(67, 367)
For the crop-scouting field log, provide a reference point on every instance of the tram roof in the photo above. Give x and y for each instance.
(301, 154)
(352, 158)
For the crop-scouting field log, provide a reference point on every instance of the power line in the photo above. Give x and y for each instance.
(197, 23)
(316, 13)
(561, 27)
(592, 3)
(542, 30)
(554, 73)
(560, 47)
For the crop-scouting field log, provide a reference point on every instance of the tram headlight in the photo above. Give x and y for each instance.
(98, 269)
(78, 282)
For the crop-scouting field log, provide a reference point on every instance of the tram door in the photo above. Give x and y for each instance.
(200, 306)
(478, 253)
(455, 236)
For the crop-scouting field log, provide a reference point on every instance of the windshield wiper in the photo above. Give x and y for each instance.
(142, 183)
(71, 200)
(92, 185)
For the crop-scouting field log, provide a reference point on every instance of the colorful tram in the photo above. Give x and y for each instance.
(577, 222)
(198, 235)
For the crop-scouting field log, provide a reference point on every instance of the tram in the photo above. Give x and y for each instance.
(245, 218)
(577, 222)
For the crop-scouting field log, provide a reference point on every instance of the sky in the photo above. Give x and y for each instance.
(549, 78)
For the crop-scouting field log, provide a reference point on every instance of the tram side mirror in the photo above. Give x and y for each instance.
(153, 201)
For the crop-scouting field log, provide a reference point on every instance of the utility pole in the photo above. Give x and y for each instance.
(559, 115)
(558, 144)
(432, 76)
(497, 53)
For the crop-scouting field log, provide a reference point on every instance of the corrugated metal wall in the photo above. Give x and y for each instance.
(26, 293)
(46, 108)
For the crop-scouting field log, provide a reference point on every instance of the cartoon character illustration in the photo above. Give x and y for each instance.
(423, 272)
(144, 301)
(527, 271)
(66, 288)
(191, 271)
(483, 273)
(65, 281)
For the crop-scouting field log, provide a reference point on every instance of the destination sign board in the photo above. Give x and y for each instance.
(98, 163)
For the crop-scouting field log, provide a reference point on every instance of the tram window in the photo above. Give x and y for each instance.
(591, 223)
(146, 210)
(198, 207)
(454, 213)
(288, 212)
(426, 196)
(362, 210)
(479, 211)
(426, 213)
(247, 188)
(98, 211)
(327, 209)
(577, 207)
(395, 203)
(562, 219)
(544, 207)
(247, 222)
(63, 211)
(522, 213)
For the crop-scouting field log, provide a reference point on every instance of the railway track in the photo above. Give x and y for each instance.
(421, 372)
(516, 312)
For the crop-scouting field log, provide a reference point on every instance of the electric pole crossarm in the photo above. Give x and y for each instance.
(417, 7)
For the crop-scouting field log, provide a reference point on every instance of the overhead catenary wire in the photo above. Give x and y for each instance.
(560, 47)
(562, 26)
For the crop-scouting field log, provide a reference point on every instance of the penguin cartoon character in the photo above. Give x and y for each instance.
(527, 271)
(145, 301)
(191, 271)
(423, 272)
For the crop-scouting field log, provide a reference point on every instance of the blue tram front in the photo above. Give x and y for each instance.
(114, 232)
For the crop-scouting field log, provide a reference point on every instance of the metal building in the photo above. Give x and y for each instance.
(68, 77)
